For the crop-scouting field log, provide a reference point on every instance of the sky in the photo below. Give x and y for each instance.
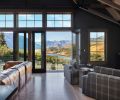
(52, 36)
(96, 34)
(35, 20)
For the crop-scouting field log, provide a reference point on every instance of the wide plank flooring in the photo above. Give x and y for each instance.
(50, 86)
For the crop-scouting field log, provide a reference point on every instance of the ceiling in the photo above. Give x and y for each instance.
(107, 9)
(35, 4)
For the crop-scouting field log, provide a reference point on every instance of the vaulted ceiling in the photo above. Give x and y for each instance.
(107, 9)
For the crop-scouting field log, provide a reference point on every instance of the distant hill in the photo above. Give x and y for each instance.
(9, 42)
(61, 43)
(98, 38)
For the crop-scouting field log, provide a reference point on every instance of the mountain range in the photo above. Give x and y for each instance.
(9, 42)
(100, 38)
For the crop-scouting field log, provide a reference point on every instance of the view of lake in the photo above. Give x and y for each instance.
(59, 56)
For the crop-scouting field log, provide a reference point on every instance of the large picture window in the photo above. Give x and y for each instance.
(58, 20)
(30, 20)
(97, 46)
(6, 20)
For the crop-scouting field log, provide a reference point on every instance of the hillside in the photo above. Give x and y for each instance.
(9, 42)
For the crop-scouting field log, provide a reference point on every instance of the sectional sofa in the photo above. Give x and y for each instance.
(102, 84)
(15, 74)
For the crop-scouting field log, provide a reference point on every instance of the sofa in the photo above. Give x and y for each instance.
(16, 74)
(71, 74)
(10, 64)
(102, 84)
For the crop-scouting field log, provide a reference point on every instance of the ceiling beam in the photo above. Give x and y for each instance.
(96, 6)
(75, 1)
(114, 13)
(94, 12)
(116, 2)
(110, 3)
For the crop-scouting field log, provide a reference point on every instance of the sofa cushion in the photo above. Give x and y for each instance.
(108, 71)
(5, 80)
(9, 64)
(28, 71)
(13, 75)
(103, 70)
(97, 69)
(21, 69)
(71, 74)
(91, 85)
(7, 92)
(102, 82)
(84, 84)
(114, 88)
(116, 72)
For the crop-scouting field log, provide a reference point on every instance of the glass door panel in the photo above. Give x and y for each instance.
(26, 46)
(37, 50)
(23, 46)
(38, 46)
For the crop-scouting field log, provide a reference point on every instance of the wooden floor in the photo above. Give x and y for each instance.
(50, 86)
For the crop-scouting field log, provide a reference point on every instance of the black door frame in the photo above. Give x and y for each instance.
(43, 52)
(16, 45)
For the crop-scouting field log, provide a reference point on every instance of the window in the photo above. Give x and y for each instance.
(58, 20)
(6, 46)
(58, 49)
(97, 46)
(30, 20)
(6, 20)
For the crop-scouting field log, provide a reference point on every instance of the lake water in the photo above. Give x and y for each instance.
(59, 56)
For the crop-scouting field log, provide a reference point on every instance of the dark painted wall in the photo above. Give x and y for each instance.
(82, 20)
(35, 4)
(85, 21)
